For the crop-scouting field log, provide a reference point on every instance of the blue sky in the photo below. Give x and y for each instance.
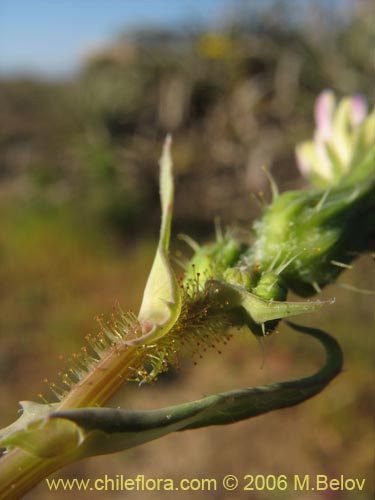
(50, 37)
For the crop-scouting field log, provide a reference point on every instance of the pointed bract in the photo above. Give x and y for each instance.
(161, 302)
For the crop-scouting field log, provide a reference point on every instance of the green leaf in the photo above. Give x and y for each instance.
(259, 310)
(161, 304)
(109, 430)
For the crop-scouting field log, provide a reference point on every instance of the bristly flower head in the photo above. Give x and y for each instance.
(344, 133)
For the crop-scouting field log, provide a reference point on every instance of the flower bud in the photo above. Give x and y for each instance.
(213, 259)
(309, 237)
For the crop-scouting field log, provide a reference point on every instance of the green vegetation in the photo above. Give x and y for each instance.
(78, 192)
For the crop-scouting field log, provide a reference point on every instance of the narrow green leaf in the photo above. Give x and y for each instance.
(108, 430)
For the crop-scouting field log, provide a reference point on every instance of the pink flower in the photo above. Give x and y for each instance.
(343, 130)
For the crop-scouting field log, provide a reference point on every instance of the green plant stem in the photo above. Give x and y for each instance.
(20, 471)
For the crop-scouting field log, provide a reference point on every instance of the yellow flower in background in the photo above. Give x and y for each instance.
(215, 46)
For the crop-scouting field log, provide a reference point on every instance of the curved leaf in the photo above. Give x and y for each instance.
(108, 430)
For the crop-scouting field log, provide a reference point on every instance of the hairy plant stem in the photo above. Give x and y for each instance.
(20, 471)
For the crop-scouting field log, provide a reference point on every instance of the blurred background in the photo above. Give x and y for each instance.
(88, 91)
